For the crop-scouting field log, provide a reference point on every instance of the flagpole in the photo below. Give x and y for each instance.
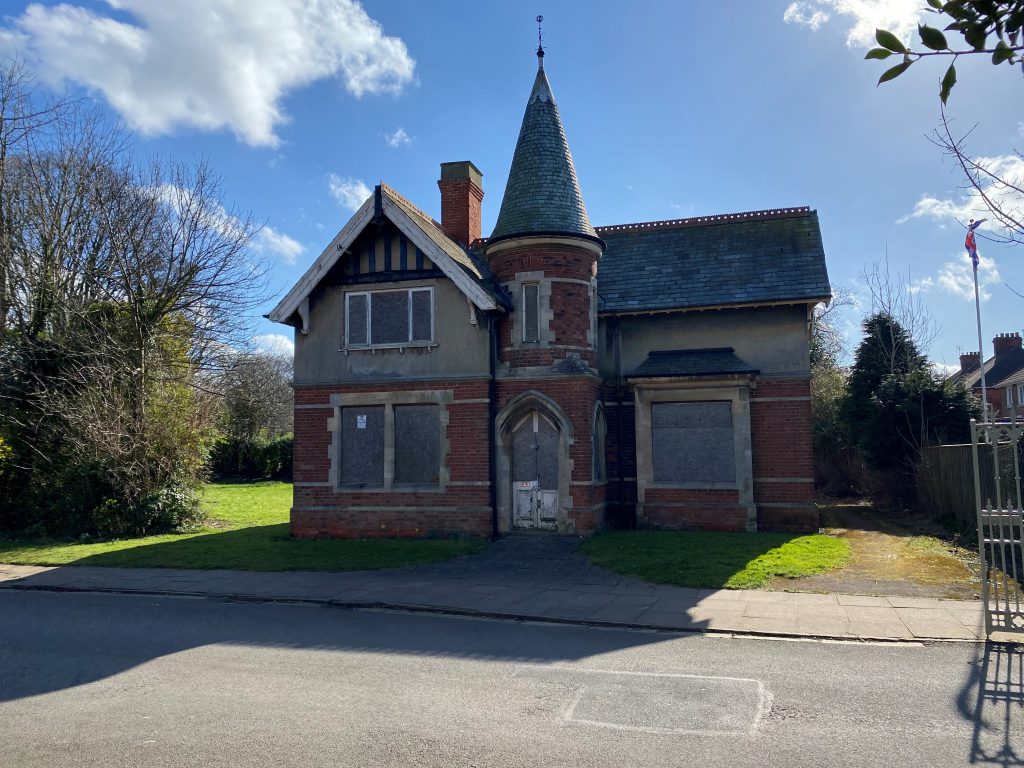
(981, 349)
(972, 251)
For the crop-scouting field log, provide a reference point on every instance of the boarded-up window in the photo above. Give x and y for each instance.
(422, 315)
(389, 317)
(417, 445)
(358, 322)
(362, 446)
(531, 312)
(693, 442)
(381, 318)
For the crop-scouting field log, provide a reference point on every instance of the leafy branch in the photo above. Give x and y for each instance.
(976, 21)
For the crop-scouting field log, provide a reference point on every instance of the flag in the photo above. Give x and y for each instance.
(970, 244)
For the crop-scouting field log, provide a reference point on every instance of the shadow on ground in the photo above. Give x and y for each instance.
(993, 700)
(263, 548)
(73, 642)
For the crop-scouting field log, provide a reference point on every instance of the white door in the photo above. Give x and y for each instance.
(535, 474)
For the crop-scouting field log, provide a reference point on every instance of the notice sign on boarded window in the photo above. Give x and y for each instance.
(361, 421)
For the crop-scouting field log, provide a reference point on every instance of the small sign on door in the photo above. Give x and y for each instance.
(361, 421)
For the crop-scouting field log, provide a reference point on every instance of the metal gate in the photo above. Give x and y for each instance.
(997, 493)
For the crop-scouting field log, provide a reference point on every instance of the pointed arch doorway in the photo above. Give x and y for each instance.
(535, 480)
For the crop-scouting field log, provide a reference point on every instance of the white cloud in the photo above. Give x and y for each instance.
(398, 139)
(269, 240)
(945, 370)
(864, 16)
(350, 193)
(208, 64)
(955, 277)
(274, 343)
(806, 14)
(970, 205)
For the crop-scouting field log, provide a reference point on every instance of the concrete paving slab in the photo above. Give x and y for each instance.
(880, 630)
(871, 614)
(948, 628)
(863, 600)
(768, 626)
(913, 602)
(781, 612)
(823, 627)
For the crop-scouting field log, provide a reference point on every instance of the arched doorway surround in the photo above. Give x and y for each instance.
(533, 468)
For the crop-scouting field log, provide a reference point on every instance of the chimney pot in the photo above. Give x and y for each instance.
(1004, 342)
(970, 361)
(461, 186)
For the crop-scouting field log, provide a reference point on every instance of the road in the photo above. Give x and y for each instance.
(113, 680)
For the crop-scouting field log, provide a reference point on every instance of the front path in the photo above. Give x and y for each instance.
(546, 578)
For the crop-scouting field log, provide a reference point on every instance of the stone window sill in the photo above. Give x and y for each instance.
(375, 348)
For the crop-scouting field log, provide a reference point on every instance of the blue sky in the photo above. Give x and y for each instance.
(672, 110)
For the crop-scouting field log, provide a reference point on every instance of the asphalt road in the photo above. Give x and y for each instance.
(108, 680)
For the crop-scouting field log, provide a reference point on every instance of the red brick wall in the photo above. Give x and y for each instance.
(570, 303)
(703, 508)
(780, 431)
(460, 209)
(321, 510)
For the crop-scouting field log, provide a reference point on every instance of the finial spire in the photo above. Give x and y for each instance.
(540, 44)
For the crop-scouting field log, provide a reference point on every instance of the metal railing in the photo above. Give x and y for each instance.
(1000, 526)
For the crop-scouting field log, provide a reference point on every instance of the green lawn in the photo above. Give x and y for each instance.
(247, 530)
(715, 560)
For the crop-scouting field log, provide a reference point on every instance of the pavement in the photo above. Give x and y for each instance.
(543, 578)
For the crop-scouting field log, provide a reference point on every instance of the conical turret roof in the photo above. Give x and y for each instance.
(542, 196)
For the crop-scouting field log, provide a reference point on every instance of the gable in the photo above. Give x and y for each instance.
(402, 228)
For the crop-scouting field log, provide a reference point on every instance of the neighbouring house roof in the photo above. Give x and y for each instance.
(692, 362)
(758, 257)
(998, 369)
(542, 195)
(972, 378)
(468, 271)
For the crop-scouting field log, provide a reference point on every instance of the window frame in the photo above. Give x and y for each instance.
(410, 342)
(1009, 395)
(390, 400)
(535, 284)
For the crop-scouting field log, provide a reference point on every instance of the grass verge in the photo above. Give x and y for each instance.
(715, 560)
(247, 529)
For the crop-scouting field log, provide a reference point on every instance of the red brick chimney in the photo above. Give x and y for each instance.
(461, 186)
(970, 361)
(1006, 341)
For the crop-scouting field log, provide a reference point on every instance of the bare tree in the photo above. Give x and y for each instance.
(996, 184)
(119, 284)
(893, 295)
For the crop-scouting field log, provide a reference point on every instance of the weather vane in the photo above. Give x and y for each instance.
(540, 38)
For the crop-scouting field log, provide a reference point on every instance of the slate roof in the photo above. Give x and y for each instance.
(741, 258)
(432, 229)
(1000, 368)
(692, 362)
(542, 195)
(972, 378)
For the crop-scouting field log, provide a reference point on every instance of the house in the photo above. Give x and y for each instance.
(554, 376)
(1004, 375)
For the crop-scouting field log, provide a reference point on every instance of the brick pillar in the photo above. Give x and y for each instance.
(461, 186)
